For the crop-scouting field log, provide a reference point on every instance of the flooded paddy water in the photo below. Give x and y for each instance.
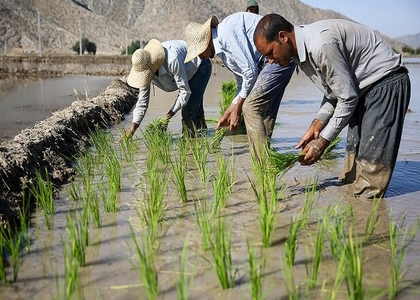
(111, 269)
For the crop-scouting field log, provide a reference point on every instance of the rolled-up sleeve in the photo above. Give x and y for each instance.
(339, 82)
(141, 105)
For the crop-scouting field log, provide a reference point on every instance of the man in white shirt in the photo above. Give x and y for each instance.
(365, 86)
(163, 65)
(260, 85)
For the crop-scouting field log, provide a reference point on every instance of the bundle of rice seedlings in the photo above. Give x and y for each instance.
(216, 139)
(282, 162)
(330, 152)
(157, 125)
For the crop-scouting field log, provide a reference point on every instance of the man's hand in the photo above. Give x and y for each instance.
(130, 132)
(311, 134)
(314, 150)
(232, 116)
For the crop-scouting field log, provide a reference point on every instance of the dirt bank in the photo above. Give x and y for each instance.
(50, 144)
(30, 66)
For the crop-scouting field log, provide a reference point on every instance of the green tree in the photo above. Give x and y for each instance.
(134, 46)
(87, 45)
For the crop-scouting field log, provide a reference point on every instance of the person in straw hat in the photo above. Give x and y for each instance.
(252, 7)
(260, 85)
(163, 65)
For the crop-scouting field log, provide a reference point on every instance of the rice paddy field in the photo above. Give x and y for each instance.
(161, 216)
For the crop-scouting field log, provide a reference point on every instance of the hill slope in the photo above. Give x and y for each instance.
(411, 40)
(113, 24)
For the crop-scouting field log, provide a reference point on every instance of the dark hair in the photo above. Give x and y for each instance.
(270, 25)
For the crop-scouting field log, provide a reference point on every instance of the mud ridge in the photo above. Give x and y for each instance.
(52, 143)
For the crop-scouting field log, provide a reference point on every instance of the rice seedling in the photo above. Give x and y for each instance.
(310, 195)
(335, 223)
(11, 240)
(77, 242)
(183, 284)
(221, 185)
(128, 146)
(43, 191)
(329, 152)
(288, 275)
(228, 93)
(353, 267)
(3, 274)
(400, 240)
(179, 168)
(292, 242)
(221, 252)
(102, 142)
(318, 247)
(145, 255)
(200, 151)
(24, 221)
(372, 220)
(112, 168)
(71, 273)
(158, 139)
(256, 271)
(216, 139)
(204, 219)
(92, 203)
(74, 191)
(335, 289)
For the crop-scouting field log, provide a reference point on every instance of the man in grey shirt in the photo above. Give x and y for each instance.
(365, 85)
(162, 64)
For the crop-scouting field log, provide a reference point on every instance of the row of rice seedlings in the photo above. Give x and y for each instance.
(228, 93)
(222, 185)
(256, 271)
(145, 256)
(183, 284)
(221, 252)
(200, 150)
(158, 140)
(42, 190)
(204, 220)
(179, 168)
(311, 186)
(400, 240)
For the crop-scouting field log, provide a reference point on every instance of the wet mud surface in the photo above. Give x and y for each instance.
(110, 271)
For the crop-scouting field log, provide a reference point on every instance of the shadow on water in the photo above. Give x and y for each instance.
(405, 179)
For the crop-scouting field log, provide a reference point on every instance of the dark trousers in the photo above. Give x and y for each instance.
(374, 135)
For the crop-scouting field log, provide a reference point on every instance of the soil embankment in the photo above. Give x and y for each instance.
(50, 144)
(61, 65)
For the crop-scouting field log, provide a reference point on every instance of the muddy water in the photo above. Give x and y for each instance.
(25, 102)
(110, 274)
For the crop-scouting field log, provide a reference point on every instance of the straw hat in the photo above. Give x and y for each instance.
(198, 37)
(145, 62)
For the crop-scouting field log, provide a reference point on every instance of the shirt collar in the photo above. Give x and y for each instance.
(300, 44)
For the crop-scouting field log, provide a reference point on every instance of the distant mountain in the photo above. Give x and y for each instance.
(411, 40)
(113, 24)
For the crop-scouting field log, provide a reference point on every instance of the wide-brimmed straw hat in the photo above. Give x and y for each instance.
(198, 37)
(144, 63)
